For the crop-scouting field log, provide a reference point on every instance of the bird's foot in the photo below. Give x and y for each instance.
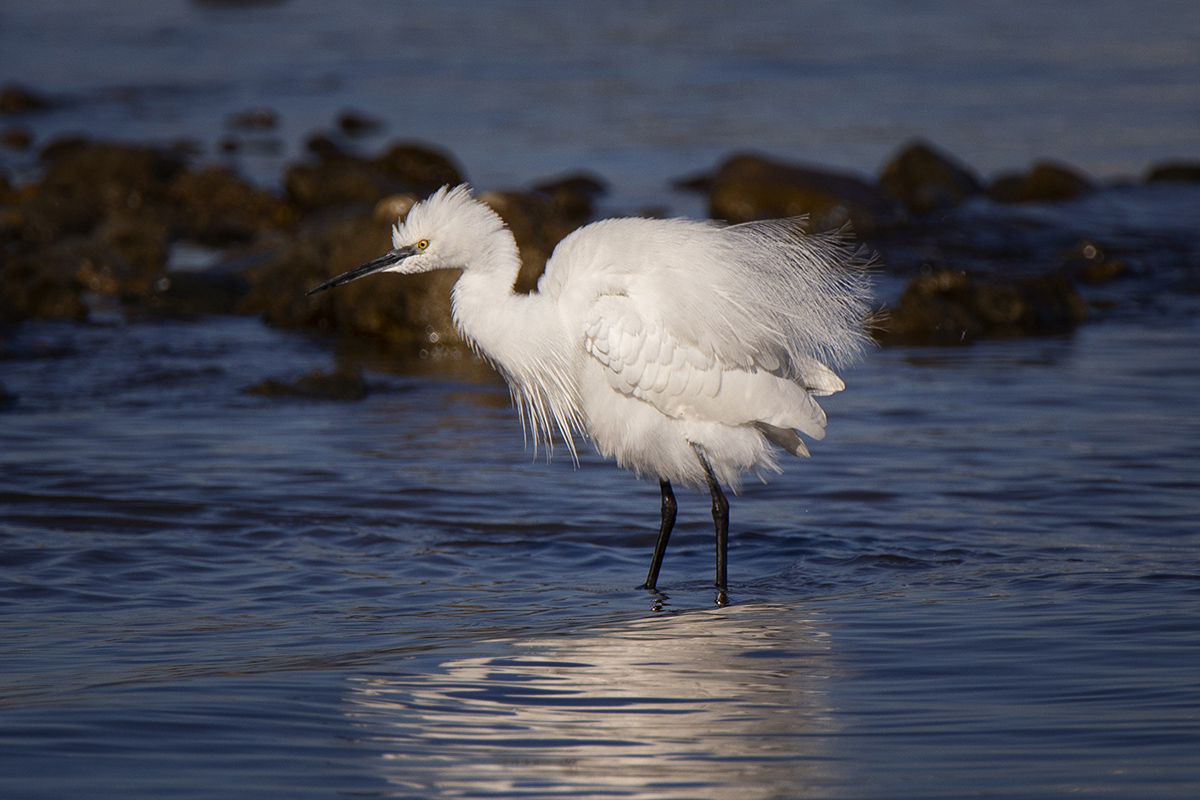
(722, 597)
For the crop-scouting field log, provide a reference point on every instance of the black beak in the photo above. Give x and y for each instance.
(389, 259)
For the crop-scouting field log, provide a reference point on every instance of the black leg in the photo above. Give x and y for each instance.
(664, 534)
(720, 513)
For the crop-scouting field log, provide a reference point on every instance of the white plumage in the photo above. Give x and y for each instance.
(683, 350)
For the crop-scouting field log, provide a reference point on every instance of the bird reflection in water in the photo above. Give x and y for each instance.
(726, 703)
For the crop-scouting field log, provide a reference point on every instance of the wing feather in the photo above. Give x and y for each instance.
(679, 380)
(737, 324)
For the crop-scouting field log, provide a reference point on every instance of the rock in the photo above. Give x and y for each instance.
(950, 307)
(98, 222)
(574, 195)
(340, 178)
(41, 214)
(16, 138)
(339, 385)
(926, 180)
(750, 187)
(216, 207)
(1174, 172)
(122, 258)
(138, 245)
(422, 169)
(1045, 182)
(41, 286)
(20, 100)
(337, 182)
(85, 182)
(400, 312)
(397, 311)
(353, 123)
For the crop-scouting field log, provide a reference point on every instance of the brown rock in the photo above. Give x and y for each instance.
(336, 182)
(421, 169)
(1045, 182)
(20, 100)
(750, 187)
(16, 138)
(354, 123)
(397, 311)
(574, 196)
(43, 285)
(1174, 172)
(926, 179)
(41, 214)
(217, 207)
(404, 312)
(949, 307)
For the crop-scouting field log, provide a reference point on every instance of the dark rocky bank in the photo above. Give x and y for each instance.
(106, 222)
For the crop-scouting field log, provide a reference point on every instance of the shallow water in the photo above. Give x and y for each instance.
(985, 580)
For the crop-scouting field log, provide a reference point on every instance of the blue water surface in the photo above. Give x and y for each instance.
(984, 580)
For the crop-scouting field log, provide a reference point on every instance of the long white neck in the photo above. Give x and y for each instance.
(523, 335)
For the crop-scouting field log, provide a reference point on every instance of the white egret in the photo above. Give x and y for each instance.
(684, 350)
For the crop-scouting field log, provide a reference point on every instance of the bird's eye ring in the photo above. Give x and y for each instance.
(421, 245)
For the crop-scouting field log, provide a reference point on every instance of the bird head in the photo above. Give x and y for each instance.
(448, 230)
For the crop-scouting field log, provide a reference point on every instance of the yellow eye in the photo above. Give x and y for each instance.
(421, 245)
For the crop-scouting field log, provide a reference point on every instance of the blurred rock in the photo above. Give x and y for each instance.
(43, 287)
(421, 168)
(16, 138)
(397, 311)
(340, 385)
(38, 214)
(947, 307)
(86, 182)
(21, 100)
(574, 195)
(926, 179)
(354, 123)
(337, 182)
(1174, 172)
(750, 187)
(339, 178)
(402, 312)
(1045, 182)
(139, 248)
(7, 399)
(217, 207)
